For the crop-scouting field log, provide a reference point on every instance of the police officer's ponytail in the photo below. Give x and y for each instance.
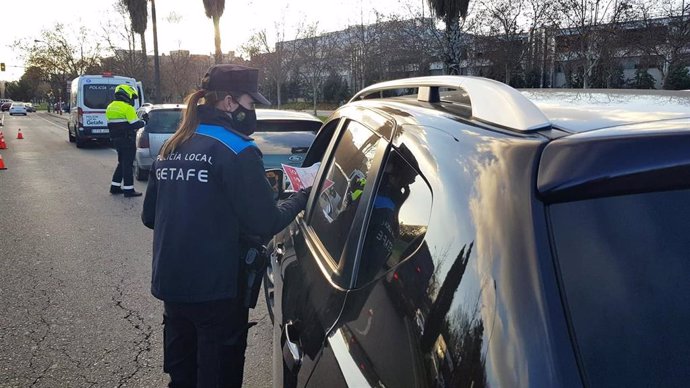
(188, 124)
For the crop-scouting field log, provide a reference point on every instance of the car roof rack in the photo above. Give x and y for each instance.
(491, 102)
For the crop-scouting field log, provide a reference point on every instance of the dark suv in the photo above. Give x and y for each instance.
(463, 234)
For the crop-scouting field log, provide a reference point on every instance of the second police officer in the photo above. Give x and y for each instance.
(122, 125)
(206, 189)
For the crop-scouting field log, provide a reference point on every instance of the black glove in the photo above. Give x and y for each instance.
(306, 190)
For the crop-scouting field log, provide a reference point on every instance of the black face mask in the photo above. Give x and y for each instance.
(244, 120)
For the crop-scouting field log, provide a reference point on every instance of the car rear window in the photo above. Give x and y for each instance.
(625, 272)
(287, 125)
(98, 96)
(163, 120)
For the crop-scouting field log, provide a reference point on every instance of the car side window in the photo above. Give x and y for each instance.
(342, 187)
(398, 220)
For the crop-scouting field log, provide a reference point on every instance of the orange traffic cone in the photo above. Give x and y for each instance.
(3, 145)
(2, 164)
(19, 134)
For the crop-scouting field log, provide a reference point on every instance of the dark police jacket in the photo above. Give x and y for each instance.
(199, 199)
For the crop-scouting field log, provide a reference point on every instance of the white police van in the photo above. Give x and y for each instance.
(89, 97)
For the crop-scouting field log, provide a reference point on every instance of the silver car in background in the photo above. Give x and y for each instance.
(282, 136)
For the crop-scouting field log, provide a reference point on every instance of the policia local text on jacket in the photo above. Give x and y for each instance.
(215, 189)
(122, 125)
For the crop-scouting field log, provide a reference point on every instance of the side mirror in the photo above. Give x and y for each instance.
(145, 117)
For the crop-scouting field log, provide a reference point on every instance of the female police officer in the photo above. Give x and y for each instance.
(207, 187)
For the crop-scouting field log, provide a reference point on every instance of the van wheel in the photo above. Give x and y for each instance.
(69, 135)
(80, 143)
(140, 174)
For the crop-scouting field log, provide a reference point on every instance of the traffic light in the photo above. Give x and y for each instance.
(2, 66)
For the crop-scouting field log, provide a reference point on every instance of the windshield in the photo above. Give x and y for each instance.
(163, 120)
(98, 96)
(625, 271)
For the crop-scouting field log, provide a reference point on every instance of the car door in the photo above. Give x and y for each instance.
(314, 256)
(375, 341)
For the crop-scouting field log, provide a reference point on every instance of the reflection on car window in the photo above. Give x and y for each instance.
(98, 96)
(398, 220)
(625, 269)
(340, 192)
(163, 120)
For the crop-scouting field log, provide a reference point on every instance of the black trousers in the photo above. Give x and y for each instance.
(126, 149)
(205, 343)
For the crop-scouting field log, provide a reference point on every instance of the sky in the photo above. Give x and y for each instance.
(182, 24)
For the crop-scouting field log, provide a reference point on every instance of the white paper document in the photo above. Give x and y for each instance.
(301, 177)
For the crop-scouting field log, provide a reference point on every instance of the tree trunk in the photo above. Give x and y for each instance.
(216, 28)
(278, 84)
(453, 44)
(156, 61)
(144, 58)
(314, 91)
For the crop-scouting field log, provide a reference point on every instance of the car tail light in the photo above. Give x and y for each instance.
(143, 139)
(80, 117)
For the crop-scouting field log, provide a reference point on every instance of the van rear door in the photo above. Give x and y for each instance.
(97, 94)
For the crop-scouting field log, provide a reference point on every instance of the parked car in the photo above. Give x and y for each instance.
(18, 108)
(463, 234)
(282, 136)
(5, 105)
(29, 107)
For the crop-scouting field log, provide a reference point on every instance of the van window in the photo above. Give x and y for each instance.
(98, 96)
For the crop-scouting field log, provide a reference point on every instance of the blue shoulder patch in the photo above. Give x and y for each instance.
(231, 140)
(381, 202)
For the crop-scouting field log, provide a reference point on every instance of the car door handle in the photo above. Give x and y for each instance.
(292, 352)
(299, 150)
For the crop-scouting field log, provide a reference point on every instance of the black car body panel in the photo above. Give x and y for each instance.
(468, 290)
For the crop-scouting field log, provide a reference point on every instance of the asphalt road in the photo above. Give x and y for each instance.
(75, 267)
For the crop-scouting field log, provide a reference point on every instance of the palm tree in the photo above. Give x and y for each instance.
(214, 10)
(138, 14)
(450, 12)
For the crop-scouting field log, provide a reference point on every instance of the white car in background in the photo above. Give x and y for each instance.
(17, 108)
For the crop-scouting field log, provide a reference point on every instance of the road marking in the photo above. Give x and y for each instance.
(65, 129)
(52, 123)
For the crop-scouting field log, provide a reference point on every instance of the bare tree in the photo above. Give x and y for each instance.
(122, 61)
(665, 35)
(276, 60)
(590, 27)
(506, 43)
(180, 74)
(62, 54)
(316, 58)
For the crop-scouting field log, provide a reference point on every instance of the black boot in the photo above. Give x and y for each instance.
(131, 193)
(116, 190)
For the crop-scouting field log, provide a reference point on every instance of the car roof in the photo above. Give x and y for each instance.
(578, 110)
(261, 114)
(277, 114)
(163, 106)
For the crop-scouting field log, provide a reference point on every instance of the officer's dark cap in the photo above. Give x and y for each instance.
(236, 78)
